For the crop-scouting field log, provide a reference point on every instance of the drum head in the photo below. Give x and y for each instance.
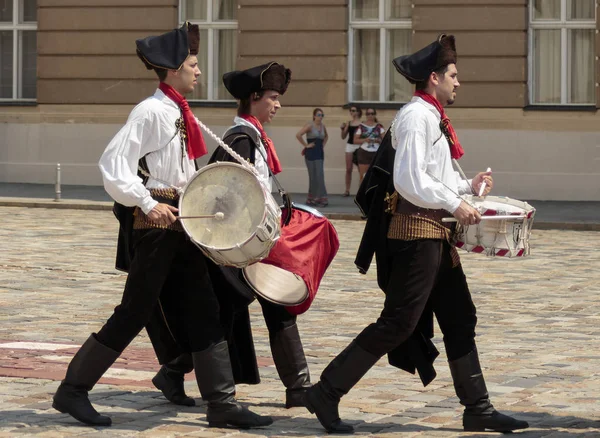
(227, 188)
(275, 284)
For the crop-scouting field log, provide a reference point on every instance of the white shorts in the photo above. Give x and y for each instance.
(350, 148)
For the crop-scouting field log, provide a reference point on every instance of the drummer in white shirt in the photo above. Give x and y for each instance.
(258, 90)
(424, 274)
(161, 136)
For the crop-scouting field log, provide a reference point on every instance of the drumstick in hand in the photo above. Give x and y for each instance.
(483, 184)
(218, 215)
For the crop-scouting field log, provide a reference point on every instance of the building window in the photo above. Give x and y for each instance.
(217, 20)
(380, 30)
(562, 54)
(18, 50)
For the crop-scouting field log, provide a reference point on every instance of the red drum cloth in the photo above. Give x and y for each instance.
(306, 248)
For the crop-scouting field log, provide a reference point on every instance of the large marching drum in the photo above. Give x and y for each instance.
(233, 219)
(504, 229)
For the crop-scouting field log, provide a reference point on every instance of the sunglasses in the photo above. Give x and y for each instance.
(353, 111)
(370, 114)
(320, 115)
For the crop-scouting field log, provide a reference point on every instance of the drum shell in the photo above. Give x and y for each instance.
(497, 238)
(249, 249)
(292, 272)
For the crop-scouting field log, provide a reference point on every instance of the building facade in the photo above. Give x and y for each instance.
(527, 105)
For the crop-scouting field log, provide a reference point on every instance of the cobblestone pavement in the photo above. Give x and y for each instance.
(538, 336)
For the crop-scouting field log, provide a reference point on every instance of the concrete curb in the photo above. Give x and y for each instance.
(75, 204)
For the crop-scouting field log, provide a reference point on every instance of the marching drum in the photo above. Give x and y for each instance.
(291, 274)
(244, 219)
(503, 231)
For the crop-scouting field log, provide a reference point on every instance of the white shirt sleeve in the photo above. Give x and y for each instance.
(411, 179)
(464, 186)
(119, 165)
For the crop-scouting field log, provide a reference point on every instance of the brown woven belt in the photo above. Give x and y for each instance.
(164, 196)
(410, 222)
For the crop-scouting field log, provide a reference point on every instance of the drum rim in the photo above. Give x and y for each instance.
(204, 169)
(263, 295)
(495, 198)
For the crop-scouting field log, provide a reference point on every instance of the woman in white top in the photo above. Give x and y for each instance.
(369, 136)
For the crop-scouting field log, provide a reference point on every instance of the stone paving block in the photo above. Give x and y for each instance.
(538, 337)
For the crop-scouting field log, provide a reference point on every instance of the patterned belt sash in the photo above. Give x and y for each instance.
(164, 196)
(410, 222)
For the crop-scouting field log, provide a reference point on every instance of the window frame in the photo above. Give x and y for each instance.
(17, 52)
(384, 58)
(564, 26)
(212, 27)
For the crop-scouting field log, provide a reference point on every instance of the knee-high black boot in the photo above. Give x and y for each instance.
(288, 355)
(215, 380)
(337, 379)
(470, 388)
(87, 366)
(170, 378)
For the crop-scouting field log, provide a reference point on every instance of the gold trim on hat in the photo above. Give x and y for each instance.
(263, 72)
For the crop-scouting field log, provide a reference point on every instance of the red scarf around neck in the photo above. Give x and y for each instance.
(456, 150)
(272, 159)
(195, 141)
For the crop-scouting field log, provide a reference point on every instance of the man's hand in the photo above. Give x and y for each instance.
(467, 215)
(479, 179)
(162, 214)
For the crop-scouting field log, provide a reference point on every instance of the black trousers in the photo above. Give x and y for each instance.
(422, 279)
(164, 277)
(276, 317)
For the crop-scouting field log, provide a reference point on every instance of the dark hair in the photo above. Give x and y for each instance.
(374, 114)
(161, 73)
(358, 110)
(315, 111)
(440, 72)
(245, 105)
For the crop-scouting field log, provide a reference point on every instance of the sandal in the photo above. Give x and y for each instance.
(346, 194)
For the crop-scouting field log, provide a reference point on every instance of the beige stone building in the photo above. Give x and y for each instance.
(527, 106)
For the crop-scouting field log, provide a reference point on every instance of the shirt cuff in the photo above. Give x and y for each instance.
(148, 204)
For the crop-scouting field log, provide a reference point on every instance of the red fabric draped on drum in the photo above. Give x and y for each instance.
(306, 248)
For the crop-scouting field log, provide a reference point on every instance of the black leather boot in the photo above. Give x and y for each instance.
(215, 380)
(170, 380)
(337, 379)
(479, 414)
(87, 366)
(288, 355)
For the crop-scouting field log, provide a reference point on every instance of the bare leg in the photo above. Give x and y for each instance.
(349, 166)
(362, 169)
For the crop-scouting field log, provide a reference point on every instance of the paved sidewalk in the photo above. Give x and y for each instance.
(538, 337)
(574, 215)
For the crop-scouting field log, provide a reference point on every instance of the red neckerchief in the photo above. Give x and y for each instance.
(195, 142)
(272, 160)
(456, 150)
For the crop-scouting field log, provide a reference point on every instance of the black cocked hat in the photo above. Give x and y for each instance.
(169, 50)
(271, 76)
(418, 66)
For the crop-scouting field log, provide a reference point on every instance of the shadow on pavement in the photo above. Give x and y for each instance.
(145, 410)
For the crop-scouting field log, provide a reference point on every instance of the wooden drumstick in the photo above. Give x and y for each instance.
(489, 218)
(218, 216)
(483, 184)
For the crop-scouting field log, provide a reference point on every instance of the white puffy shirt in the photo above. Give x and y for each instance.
(150, 131)
(422, 151)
